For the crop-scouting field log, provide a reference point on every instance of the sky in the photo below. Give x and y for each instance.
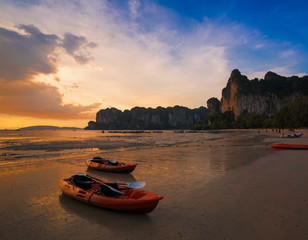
(63, 60)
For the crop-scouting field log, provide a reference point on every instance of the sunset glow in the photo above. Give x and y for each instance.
(62, 61)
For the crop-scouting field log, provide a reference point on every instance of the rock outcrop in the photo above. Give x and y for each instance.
(262, 97)
(266, 96)
(213, 105)
(148, 118)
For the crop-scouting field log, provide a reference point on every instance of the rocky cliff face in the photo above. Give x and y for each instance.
(266, 96)
(148, 118)
(213, 105)
(108, 116)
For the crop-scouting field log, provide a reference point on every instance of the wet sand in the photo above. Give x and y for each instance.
(221, 185)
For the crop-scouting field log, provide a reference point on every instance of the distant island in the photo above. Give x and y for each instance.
(273, 102)
(46, 127)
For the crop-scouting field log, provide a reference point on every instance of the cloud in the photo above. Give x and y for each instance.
(134, 6)
(23, 56)
(287, 53)
(77, 46)
(39, 100)
(28, 53)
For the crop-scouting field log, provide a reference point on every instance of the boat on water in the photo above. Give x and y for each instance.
(290, 146)
(115, 196)
(291, 135)
(110, 165)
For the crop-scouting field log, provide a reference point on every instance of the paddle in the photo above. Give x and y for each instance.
(134, 184)
(112, 160)
(97, 180)
(130, 184)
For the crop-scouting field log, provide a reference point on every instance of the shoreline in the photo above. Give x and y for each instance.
(216, 186)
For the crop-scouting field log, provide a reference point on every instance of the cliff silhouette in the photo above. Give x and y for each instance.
(260, 96)
(273, 102)
(267, 102)
(141, 118)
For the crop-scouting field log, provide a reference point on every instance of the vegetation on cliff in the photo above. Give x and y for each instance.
(141, 118)
(272, 83)
(293, 115)
(272, 102)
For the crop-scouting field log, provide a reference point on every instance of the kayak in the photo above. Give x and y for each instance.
(290, 146)
(110, 165)
(119, 197)
(291, 135)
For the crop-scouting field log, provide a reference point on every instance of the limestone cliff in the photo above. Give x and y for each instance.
(266, 96)
(213, 105)
(148, 118)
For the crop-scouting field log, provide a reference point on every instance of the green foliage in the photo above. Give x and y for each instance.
(218, 121)
(269, 122)
(275, 84)
(249, 120)
(293, 115)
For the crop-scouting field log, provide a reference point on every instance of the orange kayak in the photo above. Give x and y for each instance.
(290, 146)
(94, 192)
(109, 165)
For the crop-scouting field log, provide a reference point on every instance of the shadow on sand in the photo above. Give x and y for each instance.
(95, 215)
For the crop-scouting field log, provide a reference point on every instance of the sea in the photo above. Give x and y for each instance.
(26, 147)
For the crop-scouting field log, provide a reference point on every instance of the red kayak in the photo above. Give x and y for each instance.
(110, 165)
(290, 146)
(114, 196)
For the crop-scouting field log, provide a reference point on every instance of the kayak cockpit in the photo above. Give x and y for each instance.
(110, 162)
(87, 184)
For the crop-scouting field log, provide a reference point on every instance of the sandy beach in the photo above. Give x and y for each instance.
(216, 185)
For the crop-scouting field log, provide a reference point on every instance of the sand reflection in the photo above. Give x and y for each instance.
(228, 185)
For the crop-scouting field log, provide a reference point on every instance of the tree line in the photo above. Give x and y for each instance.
(293, 115)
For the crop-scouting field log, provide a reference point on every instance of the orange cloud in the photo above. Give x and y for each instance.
(25, 98)
(23, 56)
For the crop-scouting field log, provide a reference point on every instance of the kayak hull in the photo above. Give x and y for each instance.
(291, 135)
(121, 168)
(290, 146)
(133, 200)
